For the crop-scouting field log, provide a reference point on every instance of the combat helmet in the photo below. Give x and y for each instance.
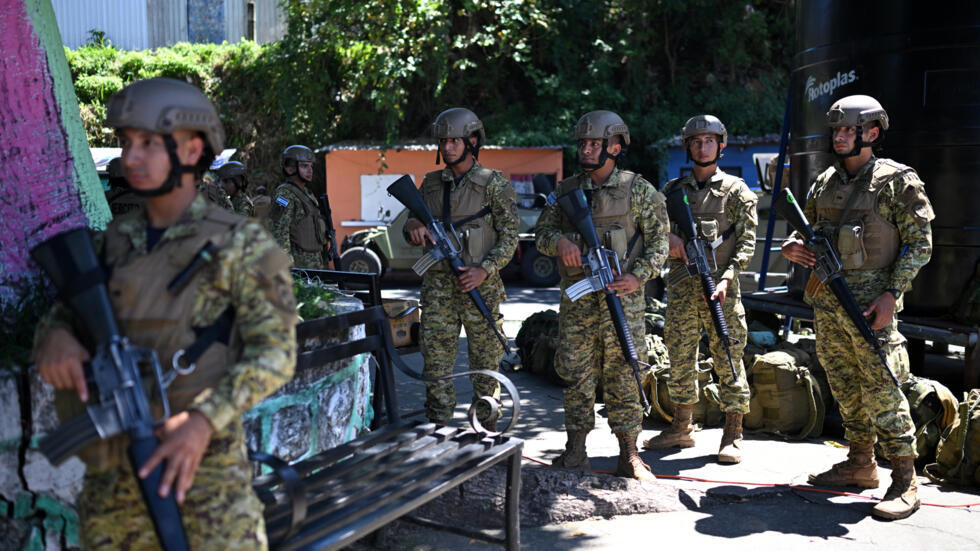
(459, 122)
(704, 124)
(860, 111)
(295, 154)
(233, 170)
(602, 125)
(163, 105)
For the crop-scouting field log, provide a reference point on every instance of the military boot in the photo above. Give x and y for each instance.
(574, 457)
(902, 497)
(679, 432)
(859, 470)
(630, 465)
(730, 450)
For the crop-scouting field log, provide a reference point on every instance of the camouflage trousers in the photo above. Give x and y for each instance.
(870, 403)
(220, 510)
(687, 314)
(589, 353)
(307, 259)
(444, 310)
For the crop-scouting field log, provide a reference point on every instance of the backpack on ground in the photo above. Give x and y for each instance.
(958, 452)
(537, 342)
(707, 413)
(933, 408)
(786, 398)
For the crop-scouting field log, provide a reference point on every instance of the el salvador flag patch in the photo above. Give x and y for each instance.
(282, 201)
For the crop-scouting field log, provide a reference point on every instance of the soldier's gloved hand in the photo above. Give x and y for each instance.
(883, 309)
(569, 253)
(471, 278)
(624, 284)
(60, 358)
(183, 439)
(676, 247)
(794, 251)
(418, 232)
(721, 291)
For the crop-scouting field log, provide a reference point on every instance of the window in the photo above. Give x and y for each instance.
(250, 21)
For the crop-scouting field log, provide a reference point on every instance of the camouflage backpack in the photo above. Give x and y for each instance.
(786, 398)
(958, 453)
(537, 342)
(707, 411)
(933, 408)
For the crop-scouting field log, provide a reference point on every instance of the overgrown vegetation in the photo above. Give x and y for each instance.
(313, 298)
(379, 70)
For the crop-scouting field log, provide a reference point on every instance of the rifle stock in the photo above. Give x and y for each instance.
(827, 269)
(331, 252)
(121, 402)
(679, 211)
(576, 208)
(407, 194)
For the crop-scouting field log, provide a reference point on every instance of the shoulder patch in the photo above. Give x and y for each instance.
(282, 201)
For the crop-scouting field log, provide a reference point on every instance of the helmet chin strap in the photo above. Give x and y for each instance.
(177, 170)
(603, 157)
(467, 148)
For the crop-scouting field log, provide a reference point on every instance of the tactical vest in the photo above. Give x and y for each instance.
(150, 316)
(476, 236)
(611, 216)
(863, 239)
(123, 201)
(709, 208)
(308, 232)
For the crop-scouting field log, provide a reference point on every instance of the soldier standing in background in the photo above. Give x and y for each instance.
(625, 209)
(724, 210)
(295, 219)
(233, 181)
(876, 214)
(247, 278)
(482, 206)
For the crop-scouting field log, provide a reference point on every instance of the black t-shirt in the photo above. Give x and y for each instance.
(153, 236)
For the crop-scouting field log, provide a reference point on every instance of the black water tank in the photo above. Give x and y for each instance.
(921, 60)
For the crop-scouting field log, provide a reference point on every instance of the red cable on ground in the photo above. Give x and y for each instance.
(773, 485)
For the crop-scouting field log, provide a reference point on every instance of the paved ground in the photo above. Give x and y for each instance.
(737, 509)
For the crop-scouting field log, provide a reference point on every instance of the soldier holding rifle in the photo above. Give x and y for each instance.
(177, 270)
(876, 215)
(724, 215)
(481, 205)
(630, 218)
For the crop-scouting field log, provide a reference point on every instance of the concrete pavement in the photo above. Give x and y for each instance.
(735, 510)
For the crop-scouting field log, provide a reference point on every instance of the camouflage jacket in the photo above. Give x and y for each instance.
(647, 210)
(903, 203)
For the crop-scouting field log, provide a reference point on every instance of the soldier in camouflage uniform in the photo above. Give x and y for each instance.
(626, 209)
(296, 220)
(234, 182)
(247, 279)
(481, 204)
(121, 198)
(876, 214)
(724, 210)
(214, 192)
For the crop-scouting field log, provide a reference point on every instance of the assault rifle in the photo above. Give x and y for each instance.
(445, 248)
(117, 400)
(827, 269)
(679, 212)
(602, 262)
(331, 252)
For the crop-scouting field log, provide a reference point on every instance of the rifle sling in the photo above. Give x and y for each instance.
(447, 215)
(219, 331)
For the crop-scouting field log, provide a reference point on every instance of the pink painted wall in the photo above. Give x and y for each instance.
(40, 181)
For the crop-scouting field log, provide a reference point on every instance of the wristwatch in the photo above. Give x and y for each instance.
(895, 293)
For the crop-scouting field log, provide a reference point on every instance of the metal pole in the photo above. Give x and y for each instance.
(777, 185)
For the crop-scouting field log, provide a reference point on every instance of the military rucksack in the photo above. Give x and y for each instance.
(707, 411)
(933, 408)
(537, 342)
(786, 398)
(958, 453)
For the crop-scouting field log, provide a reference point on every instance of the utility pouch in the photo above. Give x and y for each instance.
(613, 236)
(472, 238)
(850, 246)
(708, 228)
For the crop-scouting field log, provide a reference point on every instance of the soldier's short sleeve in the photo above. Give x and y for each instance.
(912, 196)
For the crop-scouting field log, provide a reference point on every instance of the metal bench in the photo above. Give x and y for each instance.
(335, 497)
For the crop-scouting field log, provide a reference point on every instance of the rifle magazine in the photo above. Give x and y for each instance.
(579, 289)
(423, 264)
